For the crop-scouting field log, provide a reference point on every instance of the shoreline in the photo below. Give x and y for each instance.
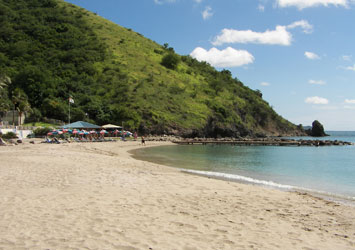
(95, 195)
(329, 196)
(338, 198)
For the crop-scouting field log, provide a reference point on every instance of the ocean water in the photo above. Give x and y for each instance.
(328, 170)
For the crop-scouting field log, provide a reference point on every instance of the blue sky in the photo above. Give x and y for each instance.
(299, 53)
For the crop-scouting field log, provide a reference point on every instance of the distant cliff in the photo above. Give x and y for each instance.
(52, 49)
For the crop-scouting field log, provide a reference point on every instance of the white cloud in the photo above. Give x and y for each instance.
(326, 107)
(349, 107)
(207, 13)
(311, 55)
(164, 1)
(173, 1)
(261, 8)
(352, 101)
(352, 68)
(346, 58)
(307, 28)
(279, 36)
(316, 100)
(302, 4)
(228, 57)
(317, 82)
(265, 84)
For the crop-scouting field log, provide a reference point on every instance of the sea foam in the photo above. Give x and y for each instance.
(239, 178)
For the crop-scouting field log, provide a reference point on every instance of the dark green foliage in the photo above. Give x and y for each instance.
(9, 135)
(48, 52)
(51, 49)
(35, 116)
(41, 131)
(170, 61)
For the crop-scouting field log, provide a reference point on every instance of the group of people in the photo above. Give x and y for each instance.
(135, 136)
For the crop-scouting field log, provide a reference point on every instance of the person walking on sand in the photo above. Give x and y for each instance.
(143, 141)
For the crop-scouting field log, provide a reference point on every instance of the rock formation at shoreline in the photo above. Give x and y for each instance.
(317, 130)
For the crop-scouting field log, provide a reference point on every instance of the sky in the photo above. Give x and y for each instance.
(299, 53)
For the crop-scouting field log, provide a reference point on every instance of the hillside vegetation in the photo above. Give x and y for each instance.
(50, 50)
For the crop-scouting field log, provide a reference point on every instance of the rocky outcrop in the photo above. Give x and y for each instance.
(259, 142)
(317, 130)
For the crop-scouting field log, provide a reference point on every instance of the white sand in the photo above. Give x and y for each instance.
(95, 196)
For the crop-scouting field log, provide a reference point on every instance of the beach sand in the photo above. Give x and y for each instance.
(96, 196)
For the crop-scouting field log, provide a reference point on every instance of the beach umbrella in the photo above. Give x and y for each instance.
(116, 131)
(103, 132)
(49, 133)
(75, 131)
(92, 132)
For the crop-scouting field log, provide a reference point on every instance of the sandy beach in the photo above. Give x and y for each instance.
(96, 196)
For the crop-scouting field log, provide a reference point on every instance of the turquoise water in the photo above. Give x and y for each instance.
(326, 170)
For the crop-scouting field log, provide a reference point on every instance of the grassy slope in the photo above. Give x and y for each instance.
(136, 54)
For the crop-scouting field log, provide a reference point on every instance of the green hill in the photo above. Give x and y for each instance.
(52, 50)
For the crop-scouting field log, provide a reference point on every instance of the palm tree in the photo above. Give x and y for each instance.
(4, 104)
(20, 102)
(23, 107)
(4, 81)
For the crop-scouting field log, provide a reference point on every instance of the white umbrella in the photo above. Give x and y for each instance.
(111, 126)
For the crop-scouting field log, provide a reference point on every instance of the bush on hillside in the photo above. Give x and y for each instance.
(170, 61)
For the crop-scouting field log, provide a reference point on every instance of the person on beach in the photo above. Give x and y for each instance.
(2, 142)
(143, 141)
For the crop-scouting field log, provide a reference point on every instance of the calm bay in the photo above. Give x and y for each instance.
(328, 170)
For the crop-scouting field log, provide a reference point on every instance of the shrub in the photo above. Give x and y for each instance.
(41, 131)
(158, 51)
(170, 61)
(9, 135)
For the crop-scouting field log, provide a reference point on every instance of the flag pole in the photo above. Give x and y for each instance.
(69, 110)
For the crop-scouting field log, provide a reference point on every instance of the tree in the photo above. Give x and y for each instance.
(4, 81)
(20, 102)
(258, 93)
(170, 61)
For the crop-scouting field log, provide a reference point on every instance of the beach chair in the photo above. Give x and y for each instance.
(47, 140)
(55, 140)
